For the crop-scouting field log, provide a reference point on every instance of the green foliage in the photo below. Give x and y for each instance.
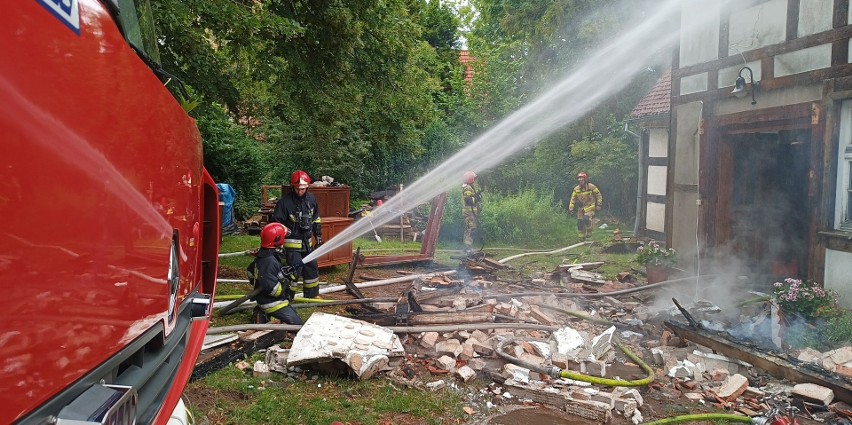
(231, 156)
(654, 254)
(330, 87)
(530, 218)
(838, 329)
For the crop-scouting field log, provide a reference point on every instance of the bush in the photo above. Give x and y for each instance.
(838, 332)
(232, 157)
(530, 219)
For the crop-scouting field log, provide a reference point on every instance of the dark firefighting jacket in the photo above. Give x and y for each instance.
(301, 216)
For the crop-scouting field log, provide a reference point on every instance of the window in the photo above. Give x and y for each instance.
(843, 204)
(137, 21)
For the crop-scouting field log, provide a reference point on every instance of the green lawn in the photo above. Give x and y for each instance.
(232, 396)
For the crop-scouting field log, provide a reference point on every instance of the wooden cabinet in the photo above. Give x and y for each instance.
(331, 226)
(332, 201)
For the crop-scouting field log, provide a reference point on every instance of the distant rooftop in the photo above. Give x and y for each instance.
(465, 59)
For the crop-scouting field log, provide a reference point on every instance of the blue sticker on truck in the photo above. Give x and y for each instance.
(67, 11)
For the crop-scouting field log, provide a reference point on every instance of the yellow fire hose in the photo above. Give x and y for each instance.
(556, 372)
(702, 417)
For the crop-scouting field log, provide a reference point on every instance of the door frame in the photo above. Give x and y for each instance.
(716, 163)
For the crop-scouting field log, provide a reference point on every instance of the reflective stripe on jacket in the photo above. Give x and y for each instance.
(274, 306)
(470, 202)
(590, 199)
(273, 295)
(290, 210)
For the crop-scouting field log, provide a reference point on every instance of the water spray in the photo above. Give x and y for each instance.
(570, 99)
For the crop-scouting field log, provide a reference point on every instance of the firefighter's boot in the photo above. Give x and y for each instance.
(259, 317)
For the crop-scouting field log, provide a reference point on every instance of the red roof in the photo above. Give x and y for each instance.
(466, 60)
(657, 101)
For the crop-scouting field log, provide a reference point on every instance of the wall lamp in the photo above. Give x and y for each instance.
(740, 85)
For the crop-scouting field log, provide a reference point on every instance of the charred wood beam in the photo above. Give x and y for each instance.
(774, 365)
(350, 285)
(428, 318)
(217, 358)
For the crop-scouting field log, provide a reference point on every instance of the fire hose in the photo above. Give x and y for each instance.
(702, 417)
(556, 372)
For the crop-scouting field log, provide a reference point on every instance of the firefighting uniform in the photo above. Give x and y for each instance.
(274, 298)
(301, 216)
(587, 202)
(471, 207)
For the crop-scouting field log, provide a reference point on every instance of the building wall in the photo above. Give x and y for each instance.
(685, 181)
(655, 207)
(838, 275)
(758, 26)
(814, 16)
(701, 42)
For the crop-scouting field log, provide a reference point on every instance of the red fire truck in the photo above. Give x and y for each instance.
(109, 224)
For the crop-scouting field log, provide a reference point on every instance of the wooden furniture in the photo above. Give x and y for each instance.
(331, 226)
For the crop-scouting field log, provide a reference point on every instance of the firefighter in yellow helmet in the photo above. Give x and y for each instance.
(471, 207)
(586, 200)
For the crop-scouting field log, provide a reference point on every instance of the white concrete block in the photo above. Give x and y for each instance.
(567, 341)
(365, 347)
(466, 373)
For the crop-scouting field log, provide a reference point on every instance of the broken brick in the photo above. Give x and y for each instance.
(732, 388)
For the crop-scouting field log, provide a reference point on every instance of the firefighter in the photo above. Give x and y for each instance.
(471, 207)
(271, 280)
(586, 200)
(298, 211)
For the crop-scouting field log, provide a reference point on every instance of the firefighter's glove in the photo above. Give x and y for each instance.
(289, 293)
(284, 277)
(292, 271)
(319, 242)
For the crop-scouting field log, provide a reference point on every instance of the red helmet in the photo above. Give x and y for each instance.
(582, 175)
(469, 177)
(300, 179)
(272, 235)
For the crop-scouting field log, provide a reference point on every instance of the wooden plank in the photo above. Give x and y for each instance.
(428, 244)
(454, 317)
(350, 286)
(772, 364)
(433, 227)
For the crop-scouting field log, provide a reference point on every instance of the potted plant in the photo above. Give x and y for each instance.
(805, 309)
(804, 298)
(657, 260)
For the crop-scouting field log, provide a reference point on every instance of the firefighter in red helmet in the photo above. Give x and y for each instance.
(586, 200)
(471, 207)
(265, 273)
(299, 212)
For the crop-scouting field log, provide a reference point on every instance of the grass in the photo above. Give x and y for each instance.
(232, 396)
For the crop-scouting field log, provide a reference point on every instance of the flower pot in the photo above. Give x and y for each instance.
(656, 273)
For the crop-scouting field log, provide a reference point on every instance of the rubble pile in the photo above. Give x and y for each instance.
(556, 351)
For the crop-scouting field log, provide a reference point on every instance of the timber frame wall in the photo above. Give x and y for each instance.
(820, 116)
